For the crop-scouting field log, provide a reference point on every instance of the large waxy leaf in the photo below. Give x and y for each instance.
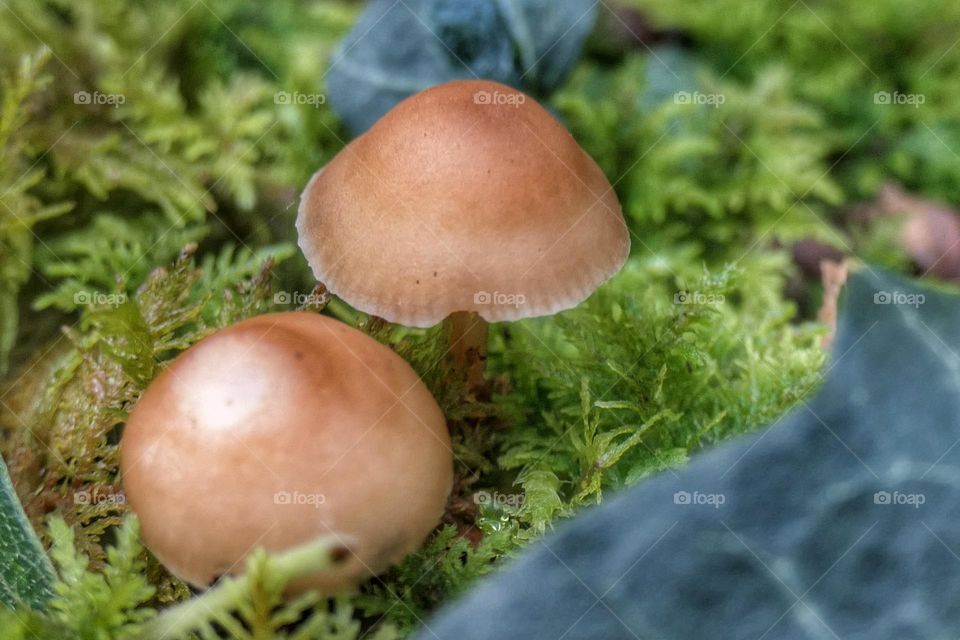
(840, 521)
(26, 575)
(398, 48)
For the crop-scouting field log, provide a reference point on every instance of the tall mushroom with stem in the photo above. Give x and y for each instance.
(466, 203)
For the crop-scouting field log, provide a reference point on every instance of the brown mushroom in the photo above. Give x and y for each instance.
(467, 199)
(280, 429)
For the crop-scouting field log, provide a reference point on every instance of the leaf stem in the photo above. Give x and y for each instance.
(307, 559)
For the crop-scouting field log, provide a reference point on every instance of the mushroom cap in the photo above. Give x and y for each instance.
(468, 196)
(278, 430)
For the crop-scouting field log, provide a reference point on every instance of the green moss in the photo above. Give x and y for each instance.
(839, 56)
(663, 359)
(703, 158)
(20, 209)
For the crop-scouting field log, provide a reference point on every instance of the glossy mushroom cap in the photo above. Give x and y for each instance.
(468, 196)
(280, 429)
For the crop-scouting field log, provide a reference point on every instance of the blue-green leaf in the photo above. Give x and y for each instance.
(26, 575)
(399, 48)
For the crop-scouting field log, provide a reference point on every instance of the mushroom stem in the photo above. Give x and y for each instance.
(468, 347)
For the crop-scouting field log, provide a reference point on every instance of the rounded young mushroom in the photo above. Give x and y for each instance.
(467, 199)
(276, 431)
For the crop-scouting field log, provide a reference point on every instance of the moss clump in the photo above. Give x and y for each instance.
(850, 61)
(704, 158)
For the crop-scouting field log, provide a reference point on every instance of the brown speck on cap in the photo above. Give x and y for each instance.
(496, 179)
